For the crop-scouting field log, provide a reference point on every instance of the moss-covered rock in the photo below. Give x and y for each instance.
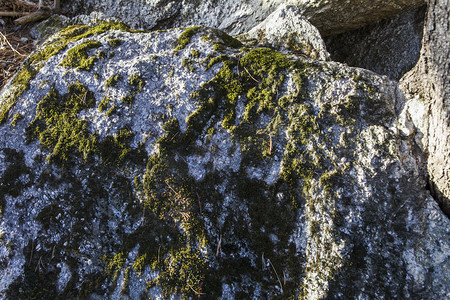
(253, 174)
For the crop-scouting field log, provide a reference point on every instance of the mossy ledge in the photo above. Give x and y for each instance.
(32, 65)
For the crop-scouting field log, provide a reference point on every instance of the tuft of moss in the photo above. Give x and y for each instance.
(136, 81)
(185, 38)
(195, 53)
(136, 85)
(128, 99)
(188, 64)
(78, 57)
(114, 42)
(114, 264)
(115, 149)
(103, 104)
(112, 81)
(17, 117)
(215, 60)
(111, 111)
(101, 54)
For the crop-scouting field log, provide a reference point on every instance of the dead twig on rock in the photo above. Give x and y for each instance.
(278, 278)
(39, 15)
(251, 75)
(13, 14)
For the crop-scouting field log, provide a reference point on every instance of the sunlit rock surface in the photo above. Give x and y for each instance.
(288, 31)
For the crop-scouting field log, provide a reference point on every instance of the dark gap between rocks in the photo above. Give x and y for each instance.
(390, 47)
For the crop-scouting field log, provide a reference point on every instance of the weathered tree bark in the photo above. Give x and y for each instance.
(430, 79)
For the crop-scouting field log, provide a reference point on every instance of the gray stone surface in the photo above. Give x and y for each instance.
(239, 16)
(208, 168)
(334, 17)
(390, 47)
(428, 86)
(288, 31)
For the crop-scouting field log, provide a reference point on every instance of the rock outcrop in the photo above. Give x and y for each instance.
(182, 162)
(428, 87)
(239, 16)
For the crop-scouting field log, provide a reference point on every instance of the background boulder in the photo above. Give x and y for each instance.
(239, 16)
(287, 30)
(334, 17)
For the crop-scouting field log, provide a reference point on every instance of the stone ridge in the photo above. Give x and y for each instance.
(183, 163)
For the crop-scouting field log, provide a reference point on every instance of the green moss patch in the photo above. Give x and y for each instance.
(185, 38)
(103, 104)
(36, 60)
(115, 42)
(78, 57)
(136, 85)
(17, 117)
(111, 111)
(59, 129)
(21, 83)
(56, 124)
(112, 81)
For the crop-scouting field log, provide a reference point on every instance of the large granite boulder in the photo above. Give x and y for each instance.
(182, 162)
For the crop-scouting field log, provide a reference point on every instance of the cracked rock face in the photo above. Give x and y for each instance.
(428, 88)
(184, 163)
